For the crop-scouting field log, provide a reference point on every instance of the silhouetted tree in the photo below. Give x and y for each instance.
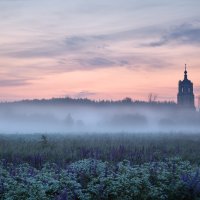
(127, 100)
(69, 120)
(152, 97)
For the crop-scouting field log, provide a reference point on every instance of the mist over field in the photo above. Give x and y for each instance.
(64, 118)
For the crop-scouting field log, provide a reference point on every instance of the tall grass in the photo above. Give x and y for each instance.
(64, 149)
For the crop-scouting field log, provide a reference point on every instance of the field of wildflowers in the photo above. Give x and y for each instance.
(100, 166)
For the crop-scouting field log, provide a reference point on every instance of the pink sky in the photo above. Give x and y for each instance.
(98, 50)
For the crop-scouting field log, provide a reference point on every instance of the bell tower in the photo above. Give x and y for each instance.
(185, 97)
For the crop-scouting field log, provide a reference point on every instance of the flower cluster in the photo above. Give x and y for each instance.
(94, 179)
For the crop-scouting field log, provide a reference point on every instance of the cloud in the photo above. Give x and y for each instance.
(85, 52)
(91, 62)
(84, 94)
(13, 82)
(73, 45)
(76, 42)
(38, 49)
(79, 45)
(132, 61)
(183, 34)
(97, 62)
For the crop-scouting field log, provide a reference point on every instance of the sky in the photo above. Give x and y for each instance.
(98, 49)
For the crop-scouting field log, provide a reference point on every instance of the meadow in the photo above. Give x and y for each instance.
(100, 166)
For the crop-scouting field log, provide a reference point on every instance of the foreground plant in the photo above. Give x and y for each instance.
(93, 179)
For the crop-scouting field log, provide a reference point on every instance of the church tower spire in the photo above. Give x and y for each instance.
(185, 76)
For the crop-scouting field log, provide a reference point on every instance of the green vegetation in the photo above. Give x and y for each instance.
(100, 166)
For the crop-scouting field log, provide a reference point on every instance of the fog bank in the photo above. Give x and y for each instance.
(28, 118)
